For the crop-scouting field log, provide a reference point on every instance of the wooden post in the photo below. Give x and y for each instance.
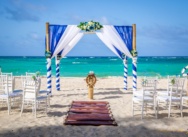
(134, 59)
(134, 36)
(90, 80)
(90, 92)
(49, 69)
(47, 37)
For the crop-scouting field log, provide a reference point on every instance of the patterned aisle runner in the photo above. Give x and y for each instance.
(94, 113)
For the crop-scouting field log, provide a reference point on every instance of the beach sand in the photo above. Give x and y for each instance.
(107, 89)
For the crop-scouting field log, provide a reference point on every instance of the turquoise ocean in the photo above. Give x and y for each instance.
(102, 66)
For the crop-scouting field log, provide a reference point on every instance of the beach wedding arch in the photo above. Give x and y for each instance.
(60, 39)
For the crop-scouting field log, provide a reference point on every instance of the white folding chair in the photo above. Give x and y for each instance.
(10, 81)
(184, 103)
(30, 98)
(7, 96)
(146, 97)
(43, 92)
(11, 84)
(167, 101)
(40, 92)
(169, 85)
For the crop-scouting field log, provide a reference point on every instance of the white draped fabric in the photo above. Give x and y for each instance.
(107, 42)
(71, 44)
(110, 34)
(69, 34)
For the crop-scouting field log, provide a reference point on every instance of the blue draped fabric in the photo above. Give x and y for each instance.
(118, 52)
(125, 33)
(56, 31)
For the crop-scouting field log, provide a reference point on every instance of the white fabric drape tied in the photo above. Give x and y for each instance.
(72, 44)
(107, 42)
(69, 34)
(112, 38)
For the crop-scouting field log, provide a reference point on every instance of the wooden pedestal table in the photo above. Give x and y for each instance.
(90, 80)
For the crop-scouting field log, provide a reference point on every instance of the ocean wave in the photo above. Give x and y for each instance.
(171, 57)
(91, 57)
(113, 59)
(76, 62)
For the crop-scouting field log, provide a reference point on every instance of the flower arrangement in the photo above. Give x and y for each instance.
(144, 81)
(35, 77)
(134, 53)
(48, 54)
(172, 81)
(90, 26)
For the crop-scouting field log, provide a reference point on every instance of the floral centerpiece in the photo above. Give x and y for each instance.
(90, 26)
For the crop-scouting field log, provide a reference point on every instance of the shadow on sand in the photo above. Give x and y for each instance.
(129, 130)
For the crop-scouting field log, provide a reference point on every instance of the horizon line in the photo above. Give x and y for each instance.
(91, 56)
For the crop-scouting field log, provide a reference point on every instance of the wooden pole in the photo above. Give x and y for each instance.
(134, 36)
(134, 59)
(49, 80)
(90, 92)
(47, 37)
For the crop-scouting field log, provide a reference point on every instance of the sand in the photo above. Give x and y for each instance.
(107, 89)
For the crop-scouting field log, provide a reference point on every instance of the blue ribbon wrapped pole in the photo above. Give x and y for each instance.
(49, 81)
(134, 67)
(125, 73)
(57, 74)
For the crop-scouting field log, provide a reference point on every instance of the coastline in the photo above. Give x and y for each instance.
(102, 66)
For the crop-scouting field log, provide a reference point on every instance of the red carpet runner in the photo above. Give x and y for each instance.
(94, 113)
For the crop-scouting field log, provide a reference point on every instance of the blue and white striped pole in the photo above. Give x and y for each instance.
(134, 67)
(49, 81)
(125, 73)
(57, 74)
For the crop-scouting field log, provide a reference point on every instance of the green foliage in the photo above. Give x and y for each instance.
(37, 74)
(48, 54)
(172, 81)
(59, 57)
(34, 77)
(90, 26)
(144, 81)
(134, 53)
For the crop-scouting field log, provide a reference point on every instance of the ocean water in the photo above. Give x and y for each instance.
(102, 66)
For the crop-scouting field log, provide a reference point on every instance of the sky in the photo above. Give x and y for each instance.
(161, 25)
